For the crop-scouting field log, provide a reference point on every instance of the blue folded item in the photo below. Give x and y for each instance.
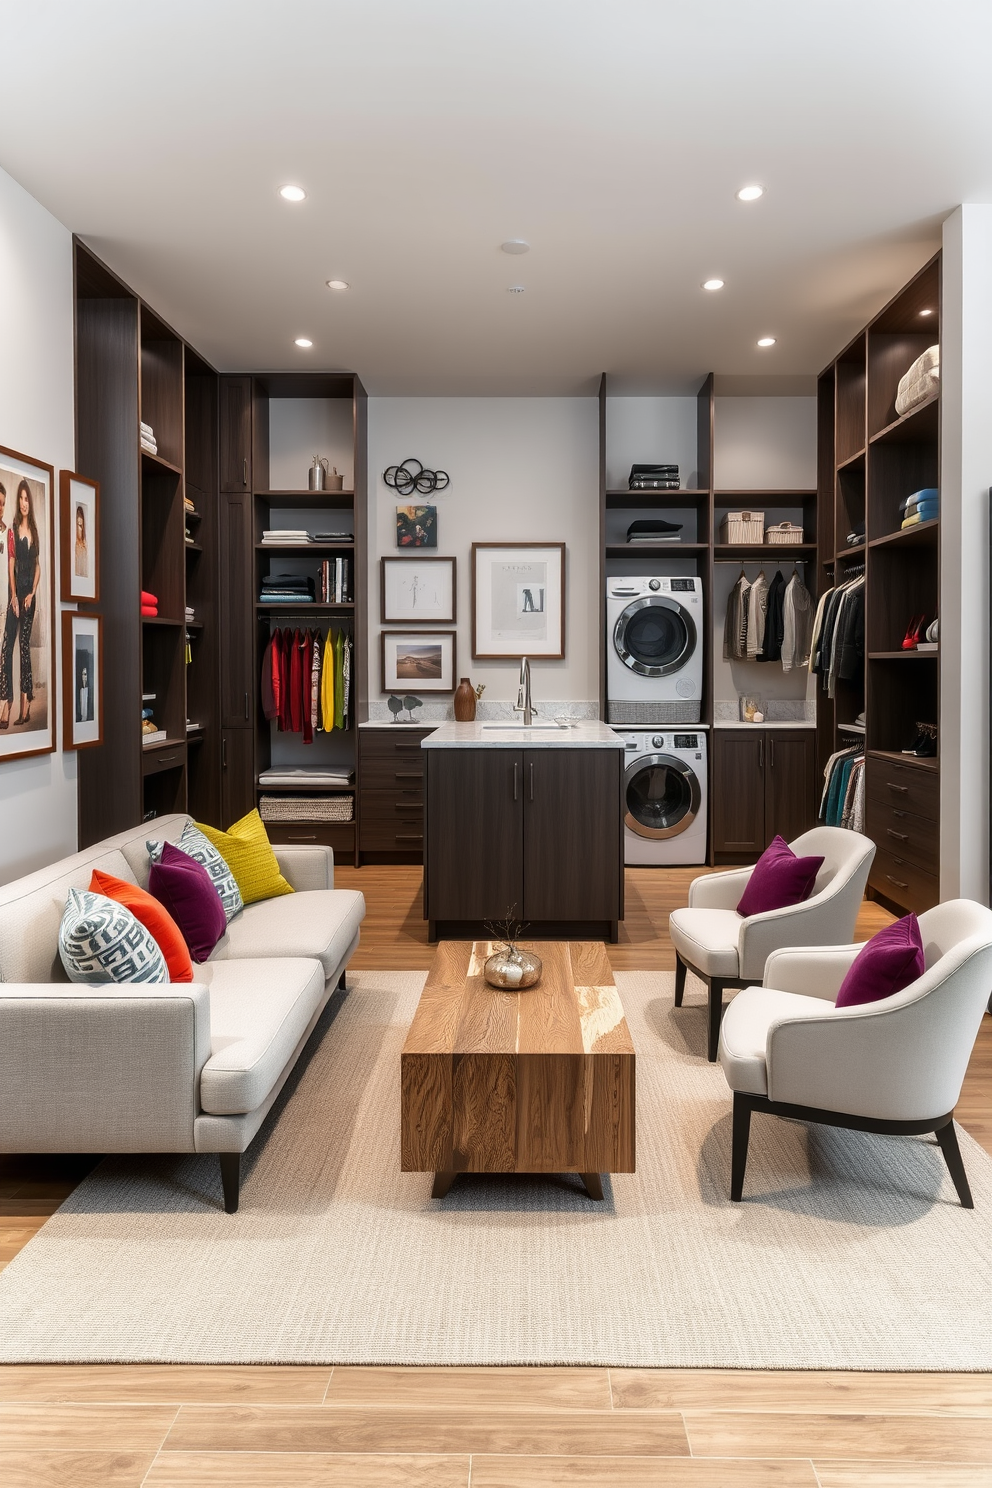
(929, 495)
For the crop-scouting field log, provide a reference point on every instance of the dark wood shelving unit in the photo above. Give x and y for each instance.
(923, 534)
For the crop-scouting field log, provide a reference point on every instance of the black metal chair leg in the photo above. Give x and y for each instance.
(715, 1014)
(230, 1177)
(738, 1159)
(680, 969)
(948, 1139)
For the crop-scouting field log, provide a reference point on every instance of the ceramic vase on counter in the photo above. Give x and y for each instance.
(464, 702)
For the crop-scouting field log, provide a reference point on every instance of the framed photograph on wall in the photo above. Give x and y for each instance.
(79, 511)
(418, 661)
(82, 680)
(518, 601)
(416, 526)
(415, 589)
(27, 604)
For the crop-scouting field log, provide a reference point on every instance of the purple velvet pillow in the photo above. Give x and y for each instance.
(184, 887)
(779, 879)
(890, 961)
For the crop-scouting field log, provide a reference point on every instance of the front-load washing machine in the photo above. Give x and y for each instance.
(664, 796)
(654, 650)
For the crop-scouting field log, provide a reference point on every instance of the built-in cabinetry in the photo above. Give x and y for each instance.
(869, 461)
(533, 834)
(158, 533)
(762, 783)
(391, 799)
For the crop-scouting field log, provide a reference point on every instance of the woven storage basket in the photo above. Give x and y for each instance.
(306, 808)
(743, 527)
(783, 532)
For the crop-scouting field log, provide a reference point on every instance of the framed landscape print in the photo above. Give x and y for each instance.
(415, 589)
(27, 604)
(82, 680)
(518, 601)
(416, 526)
(418, 661)
(79, 510)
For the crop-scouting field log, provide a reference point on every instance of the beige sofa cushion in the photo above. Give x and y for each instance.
(320, 923)
(31, 912)
(259, 1011)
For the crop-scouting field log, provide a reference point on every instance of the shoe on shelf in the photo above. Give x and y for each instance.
(924, 746)
(911, 639)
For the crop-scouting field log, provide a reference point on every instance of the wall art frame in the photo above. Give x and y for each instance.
(27, 632)
(518, 601)
(418, 660)
(417, 590)
(79, 508)
(416, 527)
(82, 679)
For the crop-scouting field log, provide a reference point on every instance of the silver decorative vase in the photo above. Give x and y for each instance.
(513, 969)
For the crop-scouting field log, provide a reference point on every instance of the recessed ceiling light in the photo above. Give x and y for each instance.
(337, 283)
(303, 341)
(926, 312)
(515, 245)
(750, 193)
(292, 193)
(712, 283)
(514, 289)
(766, 340)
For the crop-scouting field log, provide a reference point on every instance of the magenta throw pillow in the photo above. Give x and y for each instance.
(779, 879)
(184, 887)
(889, 962)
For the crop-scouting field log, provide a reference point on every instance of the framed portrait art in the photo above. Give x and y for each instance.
(79, 512)
(82, 680)
(27, 604)
(418, 661)
(417, 589)
(518, 601)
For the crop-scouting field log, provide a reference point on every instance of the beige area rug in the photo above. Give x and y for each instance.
(850, 1252)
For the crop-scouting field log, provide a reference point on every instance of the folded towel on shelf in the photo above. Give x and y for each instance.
(146, 429)
(298, 779)
(148, 447)
(150, 612)
(147, 598)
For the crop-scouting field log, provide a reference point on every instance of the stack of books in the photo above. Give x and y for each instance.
(335, 581)
(654, 478)
(287, 589)
(286, 537)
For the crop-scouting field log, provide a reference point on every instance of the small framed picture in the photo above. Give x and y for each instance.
(27, 604)
(82, 680)
(415, 589)
(79, 509)
(418, 661)
(518, 601)
(416, 526)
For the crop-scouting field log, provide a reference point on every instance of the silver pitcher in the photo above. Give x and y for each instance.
(317, 475)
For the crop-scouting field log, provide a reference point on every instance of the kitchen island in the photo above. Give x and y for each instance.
(523, 822)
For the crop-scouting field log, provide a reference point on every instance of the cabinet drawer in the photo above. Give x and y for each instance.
(154, 761)
(900, 785)
(898, 879)
(338, 835)
(385, 808)
(908, 836)
(396, 836)
(396, 774)
(400, 744)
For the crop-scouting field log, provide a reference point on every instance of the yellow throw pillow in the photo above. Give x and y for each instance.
(248, 853)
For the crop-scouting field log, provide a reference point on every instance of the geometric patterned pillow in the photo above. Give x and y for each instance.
(101, 941)
(201, 850)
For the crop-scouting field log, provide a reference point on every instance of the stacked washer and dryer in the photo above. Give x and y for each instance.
(654, 690)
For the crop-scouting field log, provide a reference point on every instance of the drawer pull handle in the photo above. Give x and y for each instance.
(897, 881)
(902, 789)
(403, 805)
(409, 775)
(899, 836)
(516, 785)
(409, 837)
(165, 759)
(301, 837)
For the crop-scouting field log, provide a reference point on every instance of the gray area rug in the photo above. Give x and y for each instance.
(850, 1252)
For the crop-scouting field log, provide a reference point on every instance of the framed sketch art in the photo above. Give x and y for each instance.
(418, 661)
(27, 604)
(82, 680)
(518, 601)
(415, 589)
(79, 511)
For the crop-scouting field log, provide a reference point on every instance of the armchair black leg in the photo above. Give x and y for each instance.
(230, 1177)
(715, 1014)
(738, 1159)
(679, 979)
(948, 1139)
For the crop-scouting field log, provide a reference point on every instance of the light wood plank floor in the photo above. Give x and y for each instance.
(229, 1427)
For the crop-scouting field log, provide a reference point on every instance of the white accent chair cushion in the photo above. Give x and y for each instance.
(708, 939)
(744, 1033)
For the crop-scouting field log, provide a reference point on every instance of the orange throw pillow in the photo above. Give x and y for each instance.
(155, 918)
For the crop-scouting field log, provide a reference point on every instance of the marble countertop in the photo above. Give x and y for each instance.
(387, 723)
(584, 734)
(780, 723)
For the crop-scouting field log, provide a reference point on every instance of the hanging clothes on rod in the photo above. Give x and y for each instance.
(841, 640)
(769, 622)
(843, 801)
(306, 681)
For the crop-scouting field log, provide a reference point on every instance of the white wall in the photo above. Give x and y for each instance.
(522, 469)
(764, 444)
(37, 796)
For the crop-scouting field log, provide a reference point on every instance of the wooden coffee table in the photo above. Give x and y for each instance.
(518, 1082)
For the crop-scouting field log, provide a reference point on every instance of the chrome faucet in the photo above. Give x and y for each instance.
(523, 704)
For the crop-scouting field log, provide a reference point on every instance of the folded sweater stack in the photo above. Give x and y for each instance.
(922, 506)
(149, 604)
(148, 440)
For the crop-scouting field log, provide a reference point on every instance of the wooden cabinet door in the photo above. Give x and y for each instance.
(474, 839)
(572, 860)
(237, 610)
(235, 433)
(790, 766)
(237, 774)
(737, 795)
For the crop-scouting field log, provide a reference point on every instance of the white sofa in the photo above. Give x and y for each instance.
(183, 1067)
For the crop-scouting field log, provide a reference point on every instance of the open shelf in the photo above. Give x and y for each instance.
(778, 497)
(901, 655)
(759, 552)
(162, 744)
(339, 547)
(158, 463)
(331, 500)
(852, 461)
(914, 427)
(647, 500)
(922, 535)
(843, 554)
(656, 550)
(896, 757)
(278, 608)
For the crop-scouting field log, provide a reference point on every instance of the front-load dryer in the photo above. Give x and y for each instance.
(664, 796)
(654, 650)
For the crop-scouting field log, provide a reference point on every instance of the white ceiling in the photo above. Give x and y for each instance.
(612, 136)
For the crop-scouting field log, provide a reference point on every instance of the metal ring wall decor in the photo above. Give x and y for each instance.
(404, 479)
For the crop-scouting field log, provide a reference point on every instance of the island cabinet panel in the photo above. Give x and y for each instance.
(530, 833)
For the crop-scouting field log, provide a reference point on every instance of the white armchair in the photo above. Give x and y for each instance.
(893, 1066)
(725, 950)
